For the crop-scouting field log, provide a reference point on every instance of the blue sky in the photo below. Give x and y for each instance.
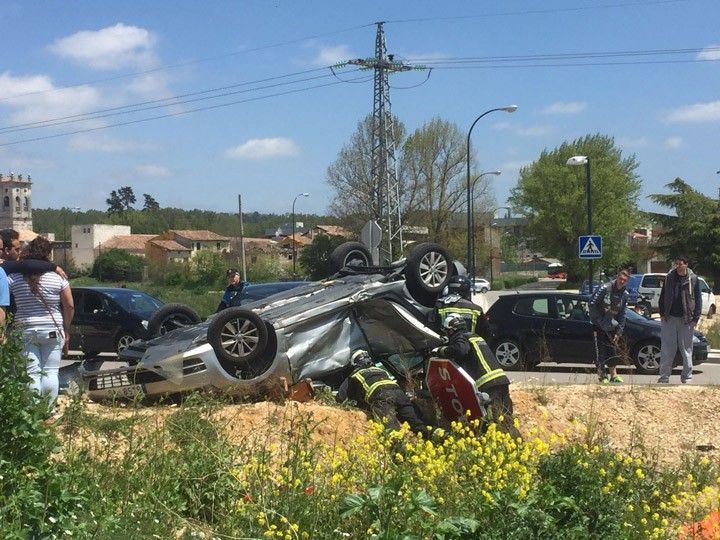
(62, 59)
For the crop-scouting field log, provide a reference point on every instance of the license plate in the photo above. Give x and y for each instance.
(128, 391)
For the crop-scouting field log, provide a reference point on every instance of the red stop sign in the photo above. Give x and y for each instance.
(453, 390)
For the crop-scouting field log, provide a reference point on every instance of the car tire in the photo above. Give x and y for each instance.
(484, 290)
(237, 335)
(428, 268)
(509, 355)
(711, 311)
(122, 340)
(646, 356)
(349, 254)
(171, 317)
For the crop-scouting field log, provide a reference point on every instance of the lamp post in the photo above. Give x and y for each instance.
(492, 224)
(472, 218)
(293, 226)
(509, 108)
(577, 161)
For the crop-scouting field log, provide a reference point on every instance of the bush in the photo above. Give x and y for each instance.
(266, 268)
(207, 268)
(117, 265)
(511, 281)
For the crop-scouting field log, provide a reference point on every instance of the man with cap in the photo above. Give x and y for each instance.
(374, 389)
(458, 300)
(231, 297)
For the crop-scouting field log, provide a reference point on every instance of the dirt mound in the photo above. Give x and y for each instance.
(669, 422)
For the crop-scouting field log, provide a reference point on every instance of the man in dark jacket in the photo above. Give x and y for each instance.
(471, 353)
(680, 306)
(458, 301)
(373, 389)
(231, 296)
(607, 313)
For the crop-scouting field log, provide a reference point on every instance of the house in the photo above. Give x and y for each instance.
(88, 241)
(132, 243)
(284, 229)
(159, 252)
(197, 241)
(329, 230)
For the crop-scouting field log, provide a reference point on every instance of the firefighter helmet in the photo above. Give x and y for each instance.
(361, 359)
(453, 322)
(459, 285)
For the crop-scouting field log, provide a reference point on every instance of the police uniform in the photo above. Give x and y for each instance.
(374, 389)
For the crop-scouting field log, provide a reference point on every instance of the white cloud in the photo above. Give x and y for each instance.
(257, 149)
(524, 131)
(501, 126)
(711, 52)
(107, 144)
(35, 98)
(332, 54)
(698, 112)
(112, 48)
(155, 171)
(673, 142)
(632, 142)
(565, 107)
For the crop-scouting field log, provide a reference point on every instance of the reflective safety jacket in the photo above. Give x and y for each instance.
(472, 354)
(472, 313)
(365, 384)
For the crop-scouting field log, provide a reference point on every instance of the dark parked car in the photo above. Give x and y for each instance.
(108, 319)
(254, 292)
(528, 328)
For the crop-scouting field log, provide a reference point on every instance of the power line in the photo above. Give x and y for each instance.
(170, 115)
(573, 64)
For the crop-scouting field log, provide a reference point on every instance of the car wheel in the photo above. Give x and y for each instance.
(484, 290)
(647, 357)
(428, 268)
(711, 312)
(237, 335)
(509, 355)
(123, 340)
(349, 254)
(171, 317)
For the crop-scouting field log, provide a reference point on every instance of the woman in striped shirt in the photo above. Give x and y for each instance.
(44, 312)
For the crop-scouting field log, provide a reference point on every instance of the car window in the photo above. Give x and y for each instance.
(653, 282)
(534, 307)
(703, 286)
(93, 302)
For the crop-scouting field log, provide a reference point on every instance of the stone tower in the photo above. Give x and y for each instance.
(16, 204)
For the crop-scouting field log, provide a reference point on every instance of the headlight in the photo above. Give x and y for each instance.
(144, 323)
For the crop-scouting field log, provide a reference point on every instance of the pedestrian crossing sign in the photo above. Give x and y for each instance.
(590, 247)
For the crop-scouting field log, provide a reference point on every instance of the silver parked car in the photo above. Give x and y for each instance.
(305, 332)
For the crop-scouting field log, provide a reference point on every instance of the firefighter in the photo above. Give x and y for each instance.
(470, 352)
(458, 300)
(374, 389)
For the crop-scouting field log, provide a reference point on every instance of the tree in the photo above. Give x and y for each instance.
(117, 265)
(150, 203)
(552, 196)
(350, 176)
(115, 205)
(694, 230)
(127, 197)
(315, 258)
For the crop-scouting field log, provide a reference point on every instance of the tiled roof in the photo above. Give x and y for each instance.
(128, 242)
(334, 230)
(169, 245)
(200, 236)
(26, 235)
(300, 240)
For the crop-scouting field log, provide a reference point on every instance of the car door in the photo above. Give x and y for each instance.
(706, 294)
(538, 327)
(574, 338)
(99, 322)
(76, 327)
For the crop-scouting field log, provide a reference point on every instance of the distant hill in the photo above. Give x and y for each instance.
(156, 221)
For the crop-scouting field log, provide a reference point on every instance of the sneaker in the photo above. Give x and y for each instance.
(685, 381)
(663, 381)
(604, 380)
(616, 379)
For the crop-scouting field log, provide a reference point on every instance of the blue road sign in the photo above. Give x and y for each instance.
(590, 247)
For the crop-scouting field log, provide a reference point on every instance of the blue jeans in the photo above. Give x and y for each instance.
(43, 352)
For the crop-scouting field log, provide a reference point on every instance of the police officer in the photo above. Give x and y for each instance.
(231, 297)
(374, 389)
(458, 301)
(471, 353)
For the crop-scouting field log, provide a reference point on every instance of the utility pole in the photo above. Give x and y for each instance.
(386, 189)
(242, 238)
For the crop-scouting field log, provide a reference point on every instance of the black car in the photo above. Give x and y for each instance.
(528, 328)
(260, 291)
(109, 319)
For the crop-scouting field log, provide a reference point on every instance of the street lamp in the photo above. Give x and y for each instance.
(293, 226)
(509, 108)
(472, 219)
(577, 161)
(492, 224)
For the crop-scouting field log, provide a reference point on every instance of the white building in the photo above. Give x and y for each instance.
(87, 241)
(16, 207)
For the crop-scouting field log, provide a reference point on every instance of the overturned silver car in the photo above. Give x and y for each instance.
(306, 332)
